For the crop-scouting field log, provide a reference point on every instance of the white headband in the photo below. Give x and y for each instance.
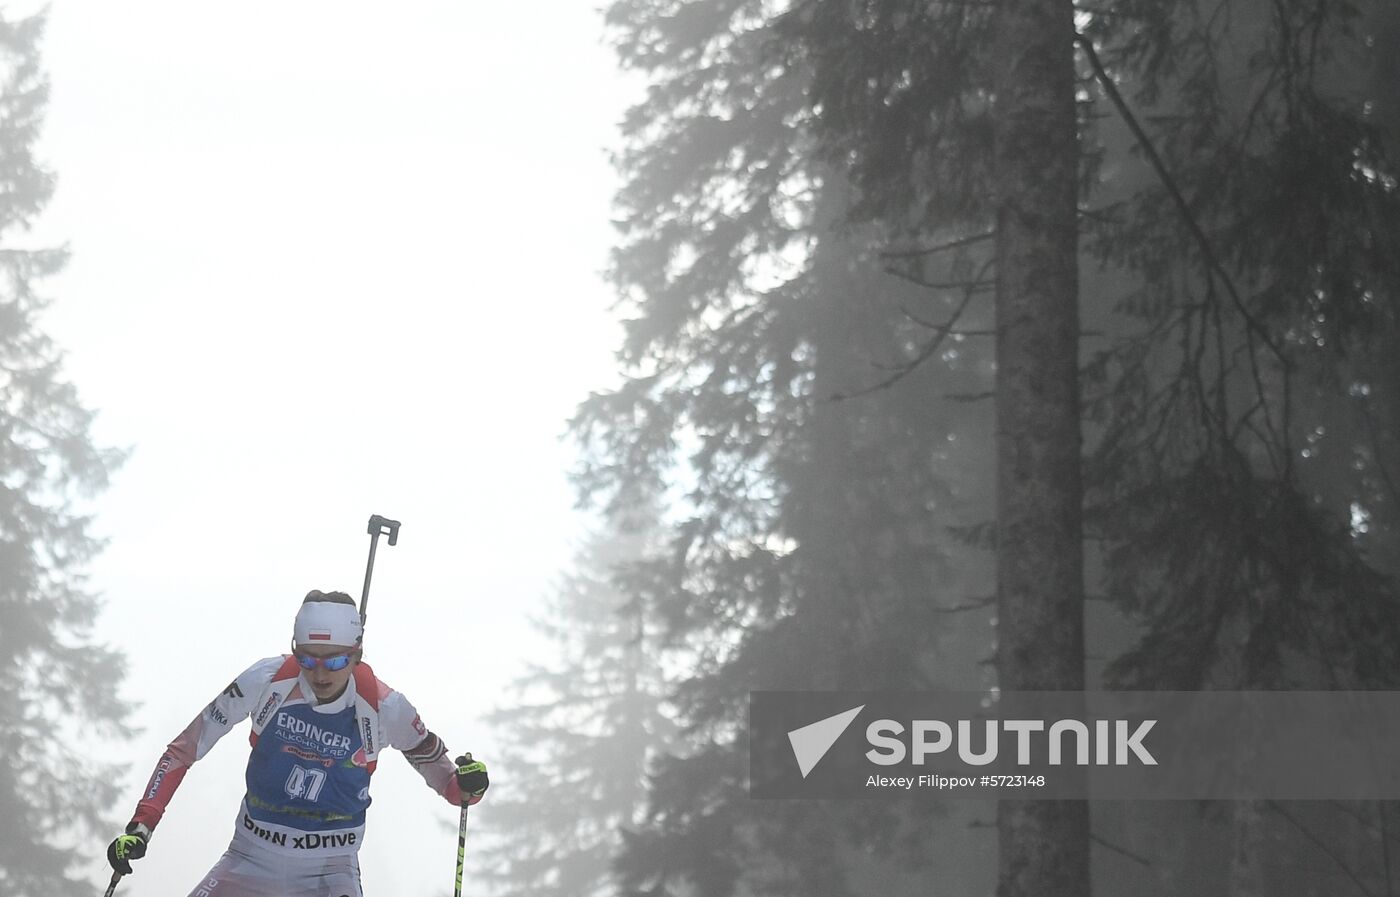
(328, 623)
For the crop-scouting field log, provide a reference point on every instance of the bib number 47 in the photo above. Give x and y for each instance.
(305, 783)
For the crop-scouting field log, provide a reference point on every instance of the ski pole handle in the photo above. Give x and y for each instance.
(117, 876)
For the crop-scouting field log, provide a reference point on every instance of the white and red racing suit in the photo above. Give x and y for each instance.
(302, 818)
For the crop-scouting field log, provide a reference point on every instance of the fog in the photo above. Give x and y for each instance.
(932, 357)
(329, 260)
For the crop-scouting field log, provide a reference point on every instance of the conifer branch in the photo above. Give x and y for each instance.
(1159, 166)
(1214, 267)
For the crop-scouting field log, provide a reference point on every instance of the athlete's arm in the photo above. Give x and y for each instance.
(231, 707)
(404, 730)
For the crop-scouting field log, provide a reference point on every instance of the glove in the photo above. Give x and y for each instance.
(128, 847)
(471, 776)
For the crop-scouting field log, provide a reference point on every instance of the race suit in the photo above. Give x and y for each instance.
(302, 818)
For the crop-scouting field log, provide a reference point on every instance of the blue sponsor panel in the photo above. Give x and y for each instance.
(308, 771)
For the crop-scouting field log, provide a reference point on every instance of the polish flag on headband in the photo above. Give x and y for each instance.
(328, 623)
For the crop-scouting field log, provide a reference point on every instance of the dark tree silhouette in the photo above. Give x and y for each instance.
(1040, 572)
(1227, 172)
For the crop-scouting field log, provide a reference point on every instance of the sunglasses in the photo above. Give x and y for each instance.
(332, 663)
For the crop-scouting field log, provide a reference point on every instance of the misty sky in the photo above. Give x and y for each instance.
(329, 259)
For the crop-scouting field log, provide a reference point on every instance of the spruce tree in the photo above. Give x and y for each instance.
(1236, 194)
(769, 385)
(57, 682)
(1040, 570)
(1243, 425)
(587, 725)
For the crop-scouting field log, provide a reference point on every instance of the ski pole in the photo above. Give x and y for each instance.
(117, 876)
(377, 526)
(461, 842)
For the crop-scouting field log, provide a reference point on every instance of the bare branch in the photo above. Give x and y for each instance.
(979, 285)
(1123, 851)
(969, 396)
(1378, 453)
(1320, 845)
(931, 325)
(974, 604)
(929, 350)
(941, 247)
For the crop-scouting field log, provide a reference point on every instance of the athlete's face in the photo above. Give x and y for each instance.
(328, 684)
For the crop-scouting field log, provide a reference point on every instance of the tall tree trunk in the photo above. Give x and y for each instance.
(1040, 633)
